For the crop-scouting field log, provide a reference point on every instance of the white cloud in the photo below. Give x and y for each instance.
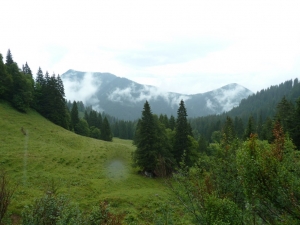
(82, 89)
(210, 105)
(262, 40)
(134, 95)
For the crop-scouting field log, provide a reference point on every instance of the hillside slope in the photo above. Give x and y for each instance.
(87, 170)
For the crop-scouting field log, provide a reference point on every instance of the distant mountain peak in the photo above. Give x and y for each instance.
(124, 99)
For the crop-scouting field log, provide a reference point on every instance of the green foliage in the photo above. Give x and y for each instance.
(5, 81)
(22, 94)
(296, 121)
(270, 178)
(153, 146)
(82, 128)
(193, 190)
(106, 134)
(74, 116)
(250, 129)
(52, 209)
(9, 59)
(6, 193)
(101, 215)
(181, 143)
(146, 154)
(95, 133)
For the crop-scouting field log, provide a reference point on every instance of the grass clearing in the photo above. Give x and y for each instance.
(86, 170)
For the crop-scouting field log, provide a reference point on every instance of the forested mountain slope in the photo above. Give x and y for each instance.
(123, 98)
(260, 106)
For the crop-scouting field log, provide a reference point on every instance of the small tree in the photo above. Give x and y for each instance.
(82, 128)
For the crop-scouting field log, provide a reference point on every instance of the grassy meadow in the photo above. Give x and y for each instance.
(85, 170)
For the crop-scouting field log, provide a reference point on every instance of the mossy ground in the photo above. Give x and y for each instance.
(86, 170)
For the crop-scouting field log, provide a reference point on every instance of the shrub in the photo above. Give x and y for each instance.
(5, 195)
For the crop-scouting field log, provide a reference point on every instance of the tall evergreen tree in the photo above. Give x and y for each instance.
(5, 81)
(9, 58)
(145, 155)
(182, 131)
(105, 131)
(74, 116)
(26, 69)
(284, 114)
(56, 102)
(172, 122)
(228, 131)
(39, 91)
(239, 127)
(296, 125)
(250, 129)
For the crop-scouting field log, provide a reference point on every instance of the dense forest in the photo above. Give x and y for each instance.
(239, 176)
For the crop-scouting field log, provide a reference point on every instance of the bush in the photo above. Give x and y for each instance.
(5, 195)
(52, 209)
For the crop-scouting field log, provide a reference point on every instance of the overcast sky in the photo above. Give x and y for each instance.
(178, 45)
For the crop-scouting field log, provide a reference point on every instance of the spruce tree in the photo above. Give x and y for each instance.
(5, 81)
(284, 114)
(145, 155)
(182, 131)
(9, 58)
(250, 129)
(296, 125)
(172, 122)
(105, 131)
(39, 91)
(228, 131)
(57, 102)
(74, 116)
(26, 69)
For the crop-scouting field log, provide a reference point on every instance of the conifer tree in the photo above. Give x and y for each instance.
(39, 89)
(9, 58)
(172, 123)
(74, 116)
(145, 155)
(26, 69)
(56, 102)
(296, 128)
(250, 129)
(5, 81)
(284, 114)
(105, 131)
(182, 131)
(228, 131)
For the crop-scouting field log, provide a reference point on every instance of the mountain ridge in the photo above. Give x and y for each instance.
(124, 98)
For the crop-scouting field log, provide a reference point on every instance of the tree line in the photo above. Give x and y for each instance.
(228, 180)
(46, 95)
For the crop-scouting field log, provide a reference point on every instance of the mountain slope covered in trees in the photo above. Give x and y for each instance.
(260, 107)
(123, 98)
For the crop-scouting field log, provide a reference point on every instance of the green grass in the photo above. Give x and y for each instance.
(86, 170)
